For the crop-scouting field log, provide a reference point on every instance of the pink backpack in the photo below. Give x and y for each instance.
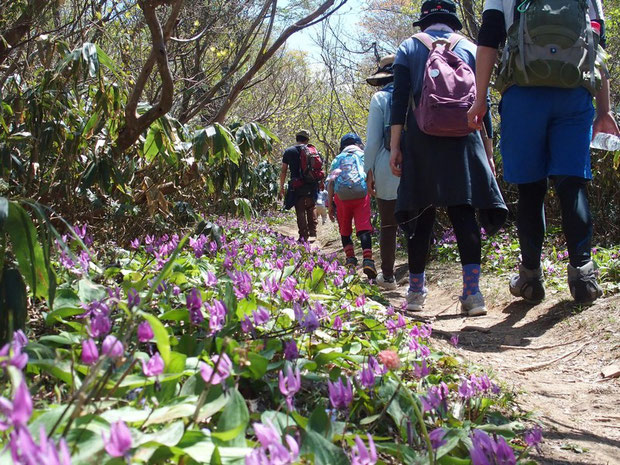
(448, 89)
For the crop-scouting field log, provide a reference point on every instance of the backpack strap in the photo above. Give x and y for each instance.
(426, 39)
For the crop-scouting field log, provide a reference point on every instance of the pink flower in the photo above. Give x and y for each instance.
(90, 353)
(389, 358)
(112, 347)
(17, 412)
(360, 455)
(119, 442)
(154, 367)
(145, 332)
(289, 385)
(218, 372)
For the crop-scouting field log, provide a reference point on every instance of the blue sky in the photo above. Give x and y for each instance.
(348, 16)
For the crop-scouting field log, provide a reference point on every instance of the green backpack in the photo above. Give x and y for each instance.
(552, 44)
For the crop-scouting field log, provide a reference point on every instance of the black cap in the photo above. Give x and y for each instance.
(439, 11)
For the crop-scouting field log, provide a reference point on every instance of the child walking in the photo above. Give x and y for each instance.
(348, 193)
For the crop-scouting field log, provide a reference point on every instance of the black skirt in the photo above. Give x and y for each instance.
(444, 172)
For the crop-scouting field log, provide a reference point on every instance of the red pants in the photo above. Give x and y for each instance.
(357, 210)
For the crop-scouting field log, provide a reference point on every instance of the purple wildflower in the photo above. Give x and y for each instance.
(421, 370)
(486, 450)
(337, 325)
(133, 299)
(242, 284)
(287, 289)
(533, 437)
(454, 340)
(211, 279)
(289, 385)
(360, 301)
(17, 412)
(112, 347)
(310, 323)
(436, 437)
(90, 353)
(367, 377)
(217, 373)
(193, 301)
(145, 332)
(261, 316)
(360, 455)
(290, 350)
(118, 443)
(217, 316)
(154, 367)
(340, 396)
(246, 325)
(100, 325)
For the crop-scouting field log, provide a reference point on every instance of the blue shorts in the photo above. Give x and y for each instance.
(545, 131)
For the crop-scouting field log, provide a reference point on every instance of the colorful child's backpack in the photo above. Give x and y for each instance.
(448, 89)
(349, 176)
(311, 164)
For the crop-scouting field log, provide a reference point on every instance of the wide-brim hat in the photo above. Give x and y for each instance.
(439, 11)
(385, 71)
(303, 133)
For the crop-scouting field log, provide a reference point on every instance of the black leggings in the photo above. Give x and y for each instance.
(466, 229)
(576, 219)
(364, 237)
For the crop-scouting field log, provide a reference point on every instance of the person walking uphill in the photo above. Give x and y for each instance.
(348, 193)
(443, 163)
(382, 184)
(547, 123)
(306, 177)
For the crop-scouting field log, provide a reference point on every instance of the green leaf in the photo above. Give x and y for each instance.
(161, 336)
(319, 422)
(89, 291)
(258, 365)
(235, 417)
(27, 250)
(323, 451)
(66, 304)
(4, 212)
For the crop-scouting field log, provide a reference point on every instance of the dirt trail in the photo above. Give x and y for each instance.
(550, 355)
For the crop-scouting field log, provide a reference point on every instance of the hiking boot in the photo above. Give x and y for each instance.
(368, 266)
(386, 282)
(473, 305)
(350, 262)
(582, 283)
(416, 300)
(528, 285)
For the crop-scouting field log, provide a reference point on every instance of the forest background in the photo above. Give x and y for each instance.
(111, 109)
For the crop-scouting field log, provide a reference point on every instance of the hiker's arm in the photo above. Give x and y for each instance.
(282, 179)
(492, 34)
(400, 104)
(485, 61)
(374, 133)
(330, 199)
(604, 121)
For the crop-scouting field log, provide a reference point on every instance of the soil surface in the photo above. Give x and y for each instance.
(550, 355)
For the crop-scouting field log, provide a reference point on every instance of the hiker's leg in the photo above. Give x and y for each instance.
(387, 236)
(347, 246)
(576, 218)
(467, 232)
(531, 222)
(366, 241)
(363, 226)
(311, 215)
(300, 212)
(418, 246)
(344, 212)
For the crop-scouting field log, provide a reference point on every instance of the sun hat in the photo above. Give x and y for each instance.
(439, 11)
(303, 133)
(385, 71)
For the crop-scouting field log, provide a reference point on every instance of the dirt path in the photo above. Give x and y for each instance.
(550, 355)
